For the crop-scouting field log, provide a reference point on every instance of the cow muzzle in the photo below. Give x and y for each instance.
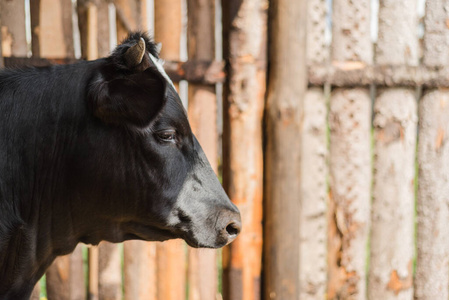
(228, 227)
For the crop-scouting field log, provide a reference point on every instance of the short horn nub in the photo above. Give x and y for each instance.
(134, 55)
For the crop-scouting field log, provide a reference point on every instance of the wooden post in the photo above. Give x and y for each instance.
(93, 273)
(140, 270)
(286, 91)
(395, 124)
(90, 11)
(244, 48)
(65, 277)
(13, 28)
(202, 110)
(51, 28)
(171, 256)
(350, 156)
(109, 272)
(432, 276)
(58, 283)
(131, 16)
(313, 251)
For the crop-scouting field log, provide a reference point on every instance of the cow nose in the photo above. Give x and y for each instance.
(231, 228)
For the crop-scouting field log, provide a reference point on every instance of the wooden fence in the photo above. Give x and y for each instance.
(335, 150)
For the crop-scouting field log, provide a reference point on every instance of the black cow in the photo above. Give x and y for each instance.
(100, 150)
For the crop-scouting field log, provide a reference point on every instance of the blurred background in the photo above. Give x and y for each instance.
(326, 121)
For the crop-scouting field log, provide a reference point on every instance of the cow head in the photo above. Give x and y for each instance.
(147, 176)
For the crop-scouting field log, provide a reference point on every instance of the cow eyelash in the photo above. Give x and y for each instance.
(167, 136)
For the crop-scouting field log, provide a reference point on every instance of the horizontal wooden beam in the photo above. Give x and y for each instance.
(202, 72)
(350, 74)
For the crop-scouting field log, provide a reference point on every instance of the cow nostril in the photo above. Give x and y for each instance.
(233, 229)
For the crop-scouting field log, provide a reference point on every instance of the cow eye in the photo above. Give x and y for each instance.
(167, 136)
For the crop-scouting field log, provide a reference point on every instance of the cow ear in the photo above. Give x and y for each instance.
(135, 99)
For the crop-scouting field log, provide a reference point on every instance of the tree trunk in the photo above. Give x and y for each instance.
(432, 267)
(350, 156)
(244, 42)
(202, 110)
(395, 121)
(313, 267)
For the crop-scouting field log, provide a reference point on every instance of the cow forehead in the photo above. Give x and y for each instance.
(160, 68)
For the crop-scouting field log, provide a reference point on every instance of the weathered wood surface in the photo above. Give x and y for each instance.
(395, 123)
(93, 261)
(313, 251)
(13, 28)
(244, 47)
(140, 270)
(130, 16)
(350, 156)
(94, 11)
(284, 132)
(350, 185)
(392, 245)
(57, 276)
(432, 276)
(358, 74)
(51, 28)
(202, 111)
(109, 272)
(432, 266)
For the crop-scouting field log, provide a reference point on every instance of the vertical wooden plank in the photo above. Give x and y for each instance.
(140, 270)
(432, 266)
(13, 28)
(350, 156)
(202, 111)
(51, 26)
(244, 48)
(395, 122)
(93, 273)
(65, 277)
(392, 251)
(77, 285)
(171, 256)
(313, 267)
(287, 87)
(109, 272)
(130, 16)
(58, 283)
(102, 20)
